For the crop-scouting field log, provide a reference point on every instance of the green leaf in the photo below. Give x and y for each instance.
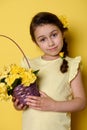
(17, 82)
(9, 90)
(35, 72)
(2, 80)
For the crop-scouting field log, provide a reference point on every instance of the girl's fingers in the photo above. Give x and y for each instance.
(25, 107)
(13, 99)
(16, 102)
(33, 101)
(31, 104)
(32, 98)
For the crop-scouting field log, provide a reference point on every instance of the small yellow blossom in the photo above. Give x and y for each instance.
(3, 92)
(2, 88)
(16, 69)
(28, 78)
(11, 78)
(64, 20)
(61, 54)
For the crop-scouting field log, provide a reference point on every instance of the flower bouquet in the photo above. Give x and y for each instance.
(18, 82)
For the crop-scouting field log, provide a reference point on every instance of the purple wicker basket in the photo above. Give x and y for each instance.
(21, 92)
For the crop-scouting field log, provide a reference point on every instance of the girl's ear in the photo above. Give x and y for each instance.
(63, 34)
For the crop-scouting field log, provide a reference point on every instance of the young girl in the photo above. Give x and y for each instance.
(60, 82)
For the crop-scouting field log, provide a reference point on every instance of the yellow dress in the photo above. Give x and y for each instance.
(56, 85)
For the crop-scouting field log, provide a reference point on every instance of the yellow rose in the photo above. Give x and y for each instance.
(28, 78)
(11, 78)
(16, 69)
(3, 92)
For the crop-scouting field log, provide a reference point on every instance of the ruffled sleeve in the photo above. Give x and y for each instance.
(74, 65)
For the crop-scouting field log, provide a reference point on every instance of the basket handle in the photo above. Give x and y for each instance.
(18, 47)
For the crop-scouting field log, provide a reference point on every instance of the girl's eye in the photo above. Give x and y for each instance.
(54, 34)
(42, 40)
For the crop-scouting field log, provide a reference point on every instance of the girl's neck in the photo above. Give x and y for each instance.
(48, 57)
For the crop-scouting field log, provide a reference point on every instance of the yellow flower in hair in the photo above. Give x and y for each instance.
(64, 21)
(61, 54)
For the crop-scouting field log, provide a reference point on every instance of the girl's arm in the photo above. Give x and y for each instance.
(46, 103)
(79, 99)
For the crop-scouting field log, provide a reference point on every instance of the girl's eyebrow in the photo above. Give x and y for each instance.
(54, 31)
(41, 36)
(50, 33)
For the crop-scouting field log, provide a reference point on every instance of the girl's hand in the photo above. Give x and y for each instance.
(17, 105)
(44, 102)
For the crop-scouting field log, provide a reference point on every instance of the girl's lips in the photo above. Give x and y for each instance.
(54, 48)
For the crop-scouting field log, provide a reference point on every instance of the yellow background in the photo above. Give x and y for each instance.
(15, 17)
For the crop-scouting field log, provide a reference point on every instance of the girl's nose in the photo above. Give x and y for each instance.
(50, 42)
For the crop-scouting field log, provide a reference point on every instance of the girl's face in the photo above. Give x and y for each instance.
(50, 39)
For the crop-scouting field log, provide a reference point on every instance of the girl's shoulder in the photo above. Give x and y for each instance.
(73, 59)
(35, 60)
(74, 64)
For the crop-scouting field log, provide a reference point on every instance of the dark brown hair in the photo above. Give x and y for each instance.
(49, 18)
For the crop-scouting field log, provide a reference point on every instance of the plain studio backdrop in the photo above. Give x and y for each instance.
(15, 17)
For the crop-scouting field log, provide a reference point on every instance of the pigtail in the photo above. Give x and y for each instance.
(64, 65)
